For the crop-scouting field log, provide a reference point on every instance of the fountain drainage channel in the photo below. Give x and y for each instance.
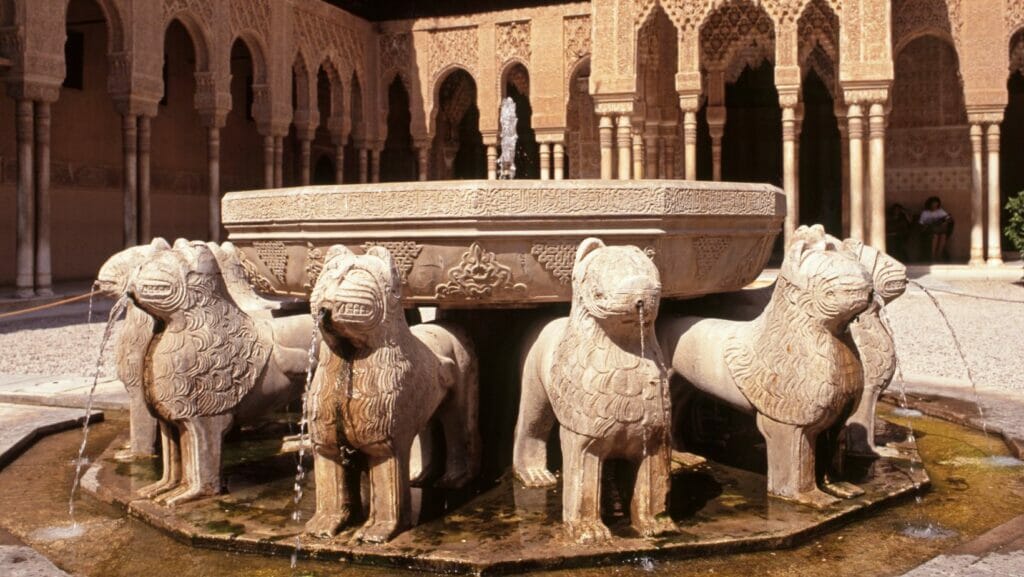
(974, 486)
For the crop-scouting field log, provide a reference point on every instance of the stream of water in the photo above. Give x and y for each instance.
(300, 469)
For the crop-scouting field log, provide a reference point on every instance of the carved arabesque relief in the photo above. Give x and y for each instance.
(404, 252)
(201, 8)
(513, 42)
(395, 52)
(818, 32)
(477, 275)
(274, 256)
(913, 17)
(250, 15)
(737, 35)
(557, 258)
(453, 47)
(576, 39)
(319, 35)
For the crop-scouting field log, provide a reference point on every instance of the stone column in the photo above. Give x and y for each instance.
(375, 165)
(789, 171)
(492, 162)
(363, 166)
(977, 207)
(278, 161)
(559, 161)
(856, 132)
(268, 161)
(43, 275)
(26, 233)
(669, 165)
(624, 138)
(606, 139)
(144, 174)
(878, 176)
(652, 154)
(130, 143)
(995, 235)
(422, 159)
(844, 145)
(339, 162)
(690, 143)
(544, 156)
(305, 159)
(716, 125)
(798, 126)
(213, 174)
(638, 157)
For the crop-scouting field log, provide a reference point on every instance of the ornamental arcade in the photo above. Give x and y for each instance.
(128, 119)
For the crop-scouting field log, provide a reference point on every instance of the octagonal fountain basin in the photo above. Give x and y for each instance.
(510, 243)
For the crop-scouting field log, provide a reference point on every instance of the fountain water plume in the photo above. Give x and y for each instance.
(115, 312)
(300, 470)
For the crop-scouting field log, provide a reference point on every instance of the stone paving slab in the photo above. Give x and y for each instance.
(22, 561)
(999, 552)
(62, 391)
(21, 425)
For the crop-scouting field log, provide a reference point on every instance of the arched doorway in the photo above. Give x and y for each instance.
(458, 150)
(658, 103)
(928, 149)
(323, 170)
(1012, 140)
(241, 143)
(86, 194)
(527, 156)
(328, 97)
(179, 188)
(398, 161)
(752, 142)
(820, 158)
(583, 155)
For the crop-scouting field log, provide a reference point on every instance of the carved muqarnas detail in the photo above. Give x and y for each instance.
(478, 275)
(274, 255)
(556, 258)
(403, 251)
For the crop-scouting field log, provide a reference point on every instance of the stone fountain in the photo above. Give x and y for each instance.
(568, 305)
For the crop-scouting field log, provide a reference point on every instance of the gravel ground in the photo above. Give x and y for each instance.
(990, 333)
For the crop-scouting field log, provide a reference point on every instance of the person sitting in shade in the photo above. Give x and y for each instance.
(938, 223)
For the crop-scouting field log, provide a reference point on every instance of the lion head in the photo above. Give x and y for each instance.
(615, 285)
(112, 280)
(823, 278)
(888, 274)
(357, 295)
(167, 281)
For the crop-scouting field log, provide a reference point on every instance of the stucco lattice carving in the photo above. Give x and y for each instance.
(911, 17)
(556, 258)
(250, 15)
(478, 275)
(576, 34)
(737, 35)
(454, 46)
(395, 52)
(318, 35)
(201, 8)
(404, 252)
(709, 250)
(818, 27)
(274, 255)
(513, 42)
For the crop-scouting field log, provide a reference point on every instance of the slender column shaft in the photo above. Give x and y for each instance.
(213, 173)
(130, 141)
(305, 160)
(844, 144)
(43, 276)
(623, 128)
(421, 153)
(559, 161)
(669, 161)
(856, 130)
(690, 143)
(977, 208)
(638, 157)
(789, 171)
(716, 157)
(995, 236)
(797, 127)
(375, 166)
(339, 163)
(545, 161)
(878, 176)
(268, 162)
(25, 248)
(606, 140)
(145, 197)
(652, 155)
(278, 161)
(363, 166)
(492, 162)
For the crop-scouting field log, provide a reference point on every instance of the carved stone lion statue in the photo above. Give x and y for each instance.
(378, 384)
(600, 374)
(133, 341)
(874, 342)
(794, 366)
(211, 365)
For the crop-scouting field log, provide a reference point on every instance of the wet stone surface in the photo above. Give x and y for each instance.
(502, 528)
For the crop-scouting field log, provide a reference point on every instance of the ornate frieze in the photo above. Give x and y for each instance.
(478, 275)
(513, 42)
(453, 46)
(576, 39)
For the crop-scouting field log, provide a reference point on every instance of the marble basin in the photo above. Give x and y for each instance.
(499, 244)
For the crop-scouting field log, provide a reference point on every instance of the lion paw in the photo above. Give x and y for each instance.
(536, 477)
(156, 489)
(326, 525)
(187, 495)
(587, 532)
(816, 498)
(843, 490)
(655, 526)
(376, 532)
